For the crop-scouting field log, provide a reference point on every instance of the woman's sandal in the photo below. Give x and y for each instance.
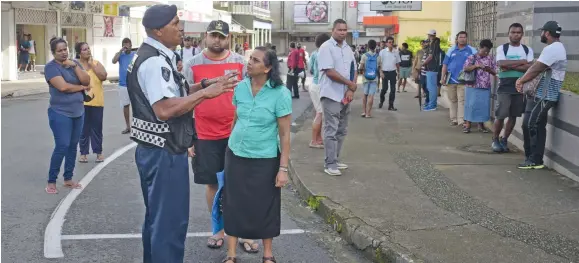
(466, 130)
(100, 158)
(248, 247)
(83, 159)
(51, 189)
(232, 259)
(213, 244)
(72, 185)
(272, 259)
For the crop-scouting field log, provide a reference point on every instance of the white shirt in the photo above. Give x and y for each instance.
(514, 53)
(389, 59)
(153, 78)
(187, 53)
(554, 56)
(32, 50)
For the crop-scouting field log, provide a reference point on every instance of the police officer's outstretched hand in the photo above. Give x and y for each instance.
(220, 87)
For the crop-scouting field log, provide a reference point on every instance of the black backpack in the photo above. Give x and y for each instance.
(506, 49)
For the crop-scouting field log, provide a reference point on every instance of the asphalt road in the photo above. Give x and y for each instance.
(112, 204)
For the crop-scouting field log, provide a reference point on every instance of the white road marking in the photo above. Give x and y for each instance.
(129, 236)
(53, 232)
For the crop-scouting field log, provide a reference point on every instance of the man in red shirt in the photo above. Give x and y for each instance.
(295, 64)
(214, 117)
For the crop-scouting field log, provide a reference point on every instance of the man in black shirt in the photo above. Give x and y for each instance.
(405, 66)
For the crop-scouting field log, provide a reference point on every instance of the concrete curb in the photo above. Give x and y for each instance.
(374, 244)
(40, 89)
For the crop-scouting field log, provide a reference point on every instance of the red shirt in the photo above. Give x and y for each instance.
(214, 117)
(293, 59)
(301, 58)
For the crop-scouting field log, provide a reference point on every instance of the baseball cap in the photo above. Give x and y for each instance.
(218, 26)
(432, 32)
(552, 26)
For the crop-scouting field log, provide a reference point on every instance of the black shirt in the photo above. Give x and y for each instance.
(434, 63)
(405, 58)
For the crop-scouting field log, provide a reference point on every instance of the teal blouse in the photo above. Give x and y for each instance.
(256, 133)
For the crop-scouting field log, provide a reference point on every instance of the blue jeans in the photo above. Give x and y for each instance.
(431, 85)
(165, 186)
(66, 132)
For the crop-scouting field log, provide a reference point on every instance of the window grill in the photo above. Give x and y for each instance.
(34, 16)
(76, 20)
(481, 21)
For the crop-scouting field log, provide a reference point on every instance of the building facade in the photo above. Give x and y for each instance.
(251, 22)
(102, 25)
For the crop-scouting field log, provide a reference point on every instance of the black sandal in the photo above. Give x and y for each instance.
(232, 259)
(216, 240)
(272, 259)
(251, 250)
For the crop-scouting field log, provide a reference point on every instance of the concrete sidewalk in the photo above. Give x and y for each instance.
(419, 190)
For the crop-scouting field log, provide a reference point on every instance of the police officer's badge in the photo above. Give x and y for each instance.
(166, 73)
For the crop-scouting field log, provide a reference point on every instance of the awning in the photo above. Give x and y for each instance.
(390, 23)
(137, 3)
(236, 27)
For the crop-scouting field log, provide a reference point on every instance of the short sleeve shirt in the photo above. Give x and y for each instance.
(363, 61)
(214, 117)
(454, 60)
(155, 75)
(339, 58)
(554, 56)
(124, 62)
(256, 132)
(67, 104)
(507, 79)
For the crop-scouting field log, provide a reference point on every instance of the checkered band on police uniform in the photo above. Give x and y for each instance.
(150, 126)
(148, 138)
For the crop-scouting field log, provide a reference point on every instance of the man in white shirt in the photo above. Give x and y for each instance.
(390, 68)
(552, 61)
(188, 51)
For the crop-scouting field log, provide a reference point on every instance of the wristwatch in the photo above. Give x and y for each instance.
(204, 83)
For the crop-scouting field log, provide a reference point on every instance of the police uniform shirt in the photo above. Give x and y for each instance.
(155, 75)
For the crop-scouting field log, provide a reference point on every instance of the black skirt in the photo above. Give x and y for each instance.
(251, 202)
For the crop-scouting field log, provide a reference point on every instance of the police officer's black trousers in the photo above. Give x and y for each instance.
(165, 186)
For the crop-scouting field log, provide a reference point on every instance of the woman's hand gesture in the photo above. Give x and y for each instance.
(281, 179)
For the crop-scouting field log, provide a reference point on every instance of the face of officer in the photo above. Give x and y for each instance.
(170, 35)
(216, 43)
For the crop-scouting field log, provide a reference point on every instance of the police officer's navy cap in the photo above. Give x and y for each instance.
(158, 16)
(218, 26)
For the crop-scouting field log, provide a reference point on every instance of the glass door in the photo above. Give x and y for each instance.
(72, 36)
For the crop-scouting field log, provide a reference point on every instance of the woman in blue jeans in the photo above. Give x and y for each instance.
(67, 82)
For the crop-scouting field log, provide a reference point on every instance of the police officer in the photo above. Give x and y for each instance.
(162, 126)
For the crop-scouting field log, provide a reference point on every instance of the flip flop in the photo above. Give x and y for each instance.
(83, 159)
(99, 160)
(51, 190)
(251, 250)
(74, 185)
(125, 131)
(271, 259)
(215, 242)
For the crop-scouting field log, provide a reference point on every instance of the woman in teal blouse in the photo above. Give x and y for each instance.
(258, 155)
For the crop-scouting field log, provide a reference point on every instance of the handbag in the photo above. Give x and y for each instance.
(468, 77)
(530, 88)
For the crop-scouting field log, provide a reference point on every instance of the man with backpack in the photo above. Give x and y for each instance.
(513, 60)
(370, 69)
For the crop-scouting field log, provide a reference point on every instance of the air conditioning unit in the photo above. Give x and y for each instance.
(224, 4)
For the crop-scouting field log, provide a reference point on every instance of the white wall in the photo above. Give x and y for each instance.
(105, 48)
(9, 63)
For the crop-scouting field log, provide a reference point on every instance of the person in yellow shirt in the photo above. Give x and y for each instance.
(92, 131)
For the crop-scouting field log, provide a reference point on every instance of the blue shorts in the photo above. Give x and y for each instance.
(370, 87)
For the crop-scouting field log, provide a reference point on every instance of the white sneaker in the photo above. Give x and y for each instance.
(342, 166)
(333, 172)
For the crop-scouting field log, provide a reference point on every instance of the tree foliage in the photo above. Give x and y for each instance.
(414, 43)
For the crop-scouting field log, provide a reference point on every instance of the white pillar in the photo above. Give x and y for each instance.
(9, 58)
(253, 38)
(269, 36)
(458, 17)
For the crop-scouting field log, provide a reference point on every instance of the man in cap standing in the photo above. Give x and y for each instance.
(552, 61)
(162, 127)
(431, 66)
(214, 118)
